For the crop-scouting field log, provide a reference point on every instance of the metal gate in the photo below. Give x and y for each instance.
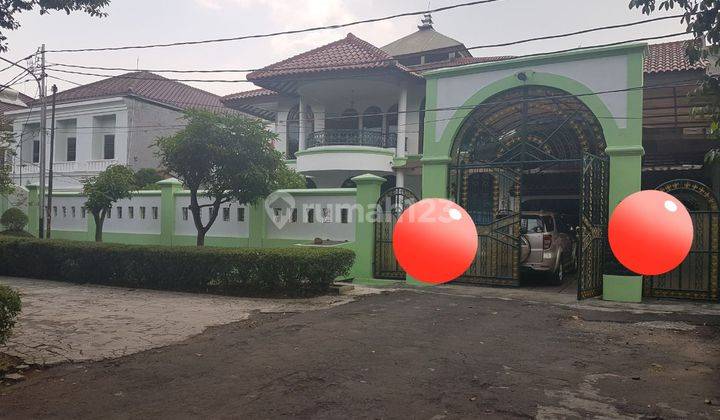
(390, 206)
(497, 261)
(592, 237)
(697, 277)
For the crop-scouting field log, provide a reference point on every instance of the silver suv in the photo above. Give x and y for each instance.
(547, 245)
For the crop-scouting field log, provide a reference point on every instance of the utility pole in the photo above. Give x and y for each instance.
(43, 142)
(52, 161)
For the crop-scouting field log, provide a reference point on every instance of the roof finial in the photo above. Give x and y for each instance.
(426, 22)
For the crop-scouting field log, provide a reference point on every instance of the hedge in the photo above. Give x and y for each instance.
(9, 309)
(239, 271)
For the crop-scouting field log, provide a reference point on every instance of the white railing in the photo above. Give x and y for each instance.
(66, 167)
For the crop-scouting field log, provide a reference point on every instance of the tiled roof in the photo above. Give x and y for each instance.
(349, 53)
(250, 94)
(461, 61)
(148, 86)
(425, 39)
(669, 57)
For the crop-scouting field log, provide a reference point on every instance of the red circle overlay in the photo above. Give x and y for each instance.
(435, 241)
(650, 232)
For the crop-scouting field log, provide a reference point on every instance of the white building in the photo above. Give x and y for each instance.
(112, 121)
(349, 108)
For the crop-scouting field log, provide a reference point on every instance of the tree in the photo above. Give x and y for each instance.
(230, 157)
(702, 20)
(113, 184)
(147, 178)
(9, 9)
(7, 150)
(288, 179)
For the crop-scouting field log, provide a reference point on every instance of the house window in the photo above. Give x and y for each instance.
(241, 214)
(311, 216)
(278, 212)
(54, 211)
(211, 212)
(36, 151)
(109, 213)
(131, 212)
(293, 217)
(72, 211)
(154, 213)
(119, 212)
(344, 215)
(226, 214)
(109, 147)
(326, 215)
(83, 212)
(64, 211)
(71, 149)
(185, 213)
(142, 212)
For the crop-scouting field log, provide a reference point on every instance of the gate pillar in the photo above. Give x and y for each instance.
(435, 177)
(368, 193)
(625, 172)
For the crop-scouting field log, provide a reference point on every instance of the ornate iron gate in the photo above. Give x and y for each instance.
(390, 206)
(592, 236)
(697, 277)
(497, 261)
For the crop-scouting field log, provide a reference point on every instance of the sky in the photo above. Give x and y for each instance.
(157, 21)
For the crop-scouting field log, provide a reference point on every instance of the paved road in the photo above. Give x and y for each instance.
(63, 322)
(406, 354)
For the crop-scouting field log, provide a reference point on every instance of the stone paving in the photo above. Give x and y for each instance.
(63, 322)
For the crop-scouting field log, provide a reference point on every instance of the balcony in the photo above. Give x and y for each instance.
(89, 166)
(351, 137)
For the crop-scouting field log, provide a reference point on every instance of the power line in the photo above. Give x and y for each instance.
(273, 34)
(504, 44)
(589, 47)
(680, 83)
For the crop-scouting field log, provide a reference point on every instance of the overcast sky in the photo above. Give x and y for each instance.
(158, 21)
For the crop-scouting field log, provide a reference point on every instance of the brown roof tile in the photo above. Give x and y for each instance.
(461, 61)
(349, 53)
(250, 94)
(669, 57)
(148, 86)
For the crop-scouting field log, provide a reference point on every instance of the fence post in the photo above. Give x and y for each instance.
(168, 188)
(368, 194)
(33, 210)
(257, 224)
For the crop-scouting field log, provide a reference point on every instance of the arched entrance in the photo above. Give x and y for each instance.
(532, 152)
(697, 277)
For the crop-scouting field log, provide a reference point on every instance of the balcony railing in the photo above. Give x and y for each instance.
(67, 167)
(351, 137)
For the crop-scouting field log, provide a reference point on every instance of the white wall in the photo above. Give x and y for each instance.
(149, 122)
(71, 219)
(232, 228)
(328, 227)
(136, 224)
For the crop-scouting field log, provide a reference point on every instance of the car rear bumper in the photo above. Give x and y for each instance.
(541, 266)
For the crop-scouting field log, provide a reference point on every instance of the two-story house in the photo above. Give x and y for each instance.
(349, 107)
(111, 121)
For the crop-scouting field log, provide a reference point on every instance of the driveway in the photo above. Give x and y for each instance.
(63, 322)
(432, 353)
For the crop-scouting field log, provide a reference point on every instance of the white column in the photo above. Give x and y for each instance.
(301, 124)
(399, 178)
(402, 122)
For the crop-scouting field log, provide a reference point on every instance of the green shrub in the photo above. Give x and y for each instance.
(14, 219)
(245, 271)
(9, 310)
